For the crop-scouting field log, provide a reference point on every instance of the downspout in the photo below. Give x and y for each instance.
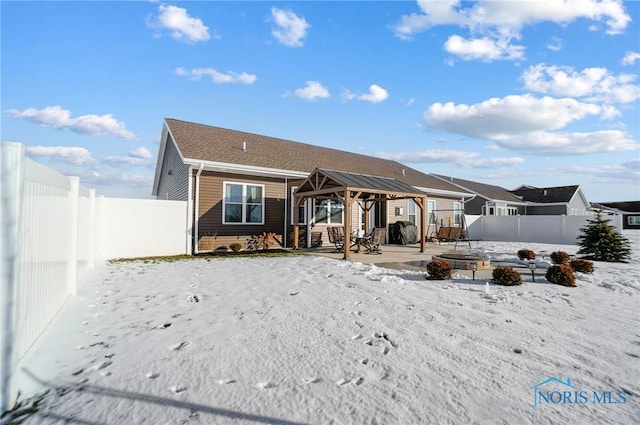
(286, 197)
(197, 209)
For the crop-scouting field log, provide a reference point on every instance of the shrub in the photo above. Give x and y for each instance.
(221, 249)
(506, 276)
(560, 257)
(562, 274)
(526, 254)
(235, 247)
(582, 266)
(439, 269)
(600, 241)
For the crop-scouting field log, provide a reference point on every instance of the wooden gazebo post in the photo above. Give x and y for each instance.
(346, 201)
(296, 222)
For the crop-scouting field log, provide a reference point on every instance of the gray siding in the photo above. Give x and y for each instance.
(174, 186)
(547, 210)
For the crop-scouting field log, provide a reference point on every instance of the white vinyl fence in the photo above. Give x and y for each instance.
(53, 232)
(552, 229)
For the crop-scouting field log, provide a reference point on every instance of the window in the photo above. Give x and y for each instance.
(411, 210)
(243, 203)
(328, 212)
(457, 213)
(431, 211)
(512, 211)
(633, 220)
(302, 209)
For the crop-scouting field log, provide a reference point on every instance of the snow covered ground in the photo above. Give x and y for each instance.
(314, 340)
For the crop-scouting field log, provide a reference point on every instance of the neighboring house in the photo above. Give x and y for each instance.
(488, 199)
(240, 184)
(560, 200)
(630, 212)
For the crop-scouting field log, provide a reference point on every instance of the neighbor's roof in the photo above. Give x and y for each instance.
(627, 207)
(547, 195)
(491, 192)
(198, 142)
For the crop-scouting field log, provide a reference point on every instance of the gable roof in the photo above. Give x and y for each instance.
(199, 143)
(627, 207)
(547, 195)
(488, 191)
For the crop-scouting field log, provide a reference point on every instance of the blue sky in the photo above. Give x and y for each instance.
(506, 93)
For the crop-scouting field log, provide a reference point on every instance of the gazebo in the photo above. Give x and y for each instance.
(349, 188)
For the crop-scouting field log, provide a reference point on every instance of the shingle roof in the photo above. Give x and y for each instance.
(208, 143)
(546, 195)
(487, 191)
(630, 206)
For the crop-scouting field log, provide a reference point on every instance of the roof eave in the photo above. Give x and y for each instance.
(253, 170)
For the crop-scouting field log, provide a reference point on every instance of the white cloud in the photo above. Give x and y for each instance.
(526, 124)
(376, 94)
(555, 44)
(217, 77)
(181, 26)
(56, 117)
(72, 155)
(137, 157)
(630, 58)
(607, 173)
(566, 143)
(141, 152)
(290, 29)
(463, 159)
(509, 115)
(596, 84)
(485, 48)
(312, 91)
(511, 16)
(493, 24)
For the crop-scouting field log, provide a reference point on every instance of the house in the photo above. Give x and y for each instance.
(488, 199)
(239, 184)
(559, 200)
(629, 210)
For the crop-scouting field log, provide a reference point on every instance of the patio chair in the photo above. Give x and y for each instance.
(376, 241)
(336, 237)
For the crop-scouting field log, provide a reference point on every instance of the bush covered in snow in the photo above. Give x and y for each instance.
(506, 276)
(526, 254)
(439, 269)
(562, 274)
(560, 257)
(582, 266)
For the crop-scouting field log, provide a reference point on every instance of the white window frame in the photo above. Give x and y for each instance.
(430, 219)
(633, 220)
(412, 209)
(244, 204)
(457, 213)
(328, 223)
(293, 209)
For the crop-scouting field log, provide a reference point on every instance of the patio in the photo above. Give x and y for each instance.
(403, 257)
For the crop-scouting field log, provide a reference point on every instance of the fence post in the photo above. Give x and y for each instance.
(72, 258)
(12, 157)
(92, 228)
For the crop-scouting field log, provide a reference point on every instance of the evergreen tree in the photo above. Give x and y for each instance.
(600, 241)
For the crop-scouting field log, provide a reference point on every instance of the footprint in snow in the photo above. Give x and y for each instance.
(265, 385)
(179, 346)
(313, 380)
(294, 293)
(357, 336)
(193, 298)
(101, 365)
(376, 298)
(358, 381)
(177, 389)
(164, 326)
(342, 382)
(152, 375)
(225, 381)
